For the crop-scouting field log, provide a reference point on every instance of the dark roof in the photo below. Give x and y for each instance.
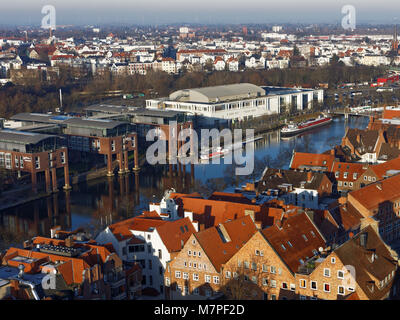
(156, 113)
(368, 272)
(364, 141)
(388, 152)
(107, 108)
(22, 137)
(275, 178)
(94, 123)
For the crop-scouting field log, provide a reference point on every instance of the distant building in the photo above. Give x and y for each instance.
(235, 101)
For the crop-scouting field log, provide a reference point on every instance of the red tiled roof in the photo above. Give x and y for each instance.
(218, 250)
(175, 233)
(293, 229)
(301, 159)
(371, 196)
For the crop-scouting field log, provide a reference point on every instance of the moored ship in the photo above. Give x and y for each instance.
(292, 129)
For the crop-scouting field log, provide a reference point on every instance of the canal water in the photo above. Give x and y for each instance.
(93, 205)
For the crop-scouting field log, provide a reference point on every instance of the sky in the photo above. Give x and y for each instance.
(154, 12)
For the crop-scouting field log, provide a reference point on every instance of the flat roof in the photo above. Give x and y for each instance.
(22, 137)
(94, 123)
(107, 108)
(156, 113)
(40, 117)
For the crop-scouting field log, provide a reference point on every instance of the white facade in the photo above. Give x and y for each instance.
(240, 109)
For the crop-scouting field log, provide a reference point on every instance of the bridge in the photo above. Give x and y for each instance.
(346, 113)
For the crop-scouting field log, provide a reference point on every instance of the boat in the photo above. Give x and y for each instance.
(219, 152)
(292, 129)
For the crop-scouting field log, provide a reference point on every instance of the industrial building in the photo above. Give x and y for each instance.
(240, 101)
(113, 139)
(35, 153)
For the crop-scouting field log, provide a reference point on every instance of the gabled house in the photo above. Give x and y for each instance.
(301, 188)
(364, 145)
(196, 271)
(362, 266)
(150, 241)
(265, 266)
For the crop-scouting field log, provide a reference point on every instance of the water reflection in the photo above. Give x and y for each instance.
(97, 203)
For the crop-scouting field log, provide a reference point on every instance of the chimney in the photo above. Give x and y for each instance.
(250, 213)
(332, 152)
(21, 268)
(309, 176)
(365, 222)
(69, 242)
(363, 240)
(53, 231)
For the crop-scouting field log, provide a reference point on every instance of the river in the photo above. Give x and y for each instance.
(95, 204)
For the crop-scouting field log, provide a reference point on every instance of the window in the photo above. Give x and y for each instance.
(313, 285)
(207, 278)
(254, 266)
(327, 287)
(196, 291)
(167, 282)
(246, 265)
(303, 297)
(199, 254)
(254, 279)
(189, 252)
(273, 297)
(194, 265)
(257, 252)
(195, 277)
(216, 279)
(303, 283)
(340, 274)
(194, 253)
(227, 274)
(273, 269)
(290, 244)
(355, 176)
(284, 285)
(264, 268)
(177, 274)
(312, 234)
(283, 247)
(327, 272)
(305, 238)
(185, 276)
(264, 281)
(208, 293)
(273, 283)
(341, 290)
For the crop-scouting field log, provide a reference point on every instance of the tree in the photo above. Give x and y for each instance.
(247, 279)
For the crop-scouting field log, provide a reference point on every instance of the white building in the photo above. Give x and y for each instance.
(235, 101)
(150, 239)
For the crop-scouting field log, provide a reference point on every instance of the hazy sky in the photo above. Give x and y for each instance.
(84, 12)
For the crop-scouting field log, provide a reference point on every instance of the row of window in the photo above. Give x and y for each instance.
(326, 286)
(195, 277)
(194, 265)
